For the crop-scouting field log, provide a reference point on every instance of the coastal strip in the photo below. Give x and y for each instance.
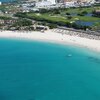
(54, 37)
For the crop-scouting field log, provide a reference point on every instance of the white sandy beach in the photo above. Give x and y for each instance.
(50, 36)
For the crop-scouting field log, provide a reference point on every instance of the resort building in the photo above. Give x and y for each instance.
(52, 1)
(0, 3)
(69, 4)
(97, 1)
(86, 1)
(43, 4)
(97, 13)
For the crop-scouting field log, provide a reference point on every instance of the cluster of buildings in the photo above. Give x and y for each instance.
(9, 21)
(35, 5)
(8, 25)
(4, 24)
(48, 4)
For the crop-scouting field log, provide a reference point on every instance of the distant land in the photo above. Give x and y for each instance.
(41, 0)
(65, 0)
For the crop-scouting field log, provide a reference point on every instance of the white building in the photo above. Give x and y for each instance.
(43, 4)
(52, 1)
(0, 3)
(69, 4)
(91, 1)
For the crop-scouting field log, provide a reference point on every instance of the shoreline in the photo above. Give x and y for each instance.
(54, 37)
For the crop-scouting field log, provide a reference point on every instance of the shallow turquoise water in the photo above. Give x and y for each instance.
(43, 71)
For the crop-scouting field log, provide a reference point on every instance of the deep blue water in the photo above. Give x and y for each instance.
(44, 71)
(84, 23)
(75, 14)
(7, 0)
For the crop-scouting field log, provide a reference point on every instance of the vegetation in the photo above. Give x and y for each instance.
(68, 13)
(51, 26)
(22, 22)
(96, 26)
(52, 22)
(5, 18)
(83, 13)
(69, 17)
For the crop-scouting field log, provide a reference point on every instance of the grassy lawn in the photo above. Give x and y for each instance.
(78, 10)
(48, 17)
(63, 18)
(87, 18)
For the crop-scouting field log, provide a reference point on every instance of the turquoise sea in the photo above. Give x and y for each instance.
(32, 70)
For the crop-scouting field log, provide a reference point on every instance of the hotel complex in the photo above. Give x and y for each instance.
(61, 1)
